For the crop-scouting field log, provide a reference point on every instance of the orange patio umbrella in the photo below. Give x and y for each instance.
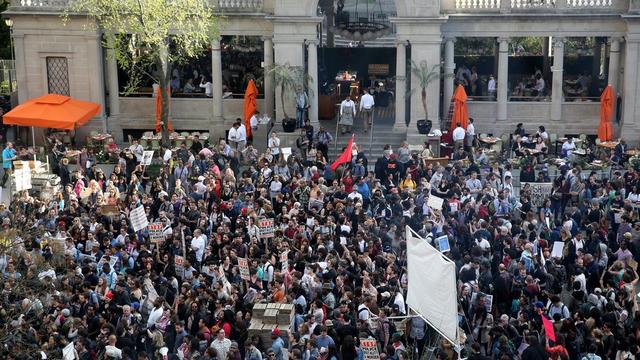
(605, 129)
(460, 113)
(250, 105)
(159, 110)
(52, 111)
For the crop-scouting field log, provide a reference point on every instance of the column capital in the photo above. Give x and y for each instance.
(503, 39)
(315, 42)
(402, 43)
(615, 39)
(558, 41)
(447, 39)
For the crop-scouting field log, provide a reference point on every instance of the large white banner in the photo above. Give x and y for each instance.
(539, 192)
(432, 286)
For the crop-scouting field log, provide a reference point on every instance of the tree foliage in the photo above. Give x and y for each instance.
(289, 79)
(151, 34)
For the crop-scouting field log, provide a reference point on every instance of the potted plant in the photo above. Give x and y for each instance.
(425, 75)
(289, 79)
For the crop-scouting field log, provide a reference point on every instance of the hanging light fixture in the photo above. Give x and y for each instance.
(365, 23)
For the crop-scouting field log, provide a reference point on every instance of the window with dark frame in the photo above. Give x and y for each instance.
(58, 75)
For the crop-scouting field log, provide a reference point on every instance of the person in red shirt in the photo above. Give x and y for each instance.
(558, 351)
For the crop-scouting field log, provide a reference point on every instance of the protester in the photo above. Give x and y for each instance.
(540, 274)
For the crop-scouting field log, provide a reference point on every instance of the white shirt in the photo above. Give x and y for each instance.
(242, 130)
(568, 147)
(138, 151)
(154, 316)
(254, 122)
(167, 155)
(458, 134)
(491, 86)
(366, 102)
(274, 145)
(199, 243)
(235, 135)
(471, 130)
(208, 88)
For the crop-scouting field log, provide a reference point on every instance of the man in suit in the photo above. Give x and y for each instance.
(619, 153)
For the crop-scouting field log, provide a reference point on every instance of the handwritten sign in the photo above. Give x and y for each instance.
(156, 232)
(243, 266)
(488, 302)
(22, 178)
(539, 192)
(370, 349)
(267, 228)
(138, 218)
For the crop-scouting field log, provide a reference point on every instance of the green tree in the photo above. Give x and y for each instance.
(289, 79)
(151, 34)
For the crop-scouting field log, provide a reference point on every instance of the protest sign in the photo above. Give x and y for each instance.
(488, 303)
(370, 349)
(556, 252)
(156, 232)
(179, 265)
(284, 260)
(443, 243)
(286, 152)
(110, 210)
(435, 202)
(22, 178)
(138, 218)
(539, 192)
(68, 352)
(266, 227)
(147, 156)
(243, 266)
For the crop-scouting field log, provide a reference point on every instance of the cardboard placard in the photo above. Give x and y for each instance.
(284, 260)
(156, 232)
(435, 202)
(267, 228)
(147, 156)
(443, 243)
(110, 210)
(370, 349)
(138, 218)
(243, 266)
(556, 252)
(179, 265)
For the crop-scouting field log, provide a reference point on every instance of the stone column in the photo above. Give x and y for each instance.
(269, 86)
(312, 68)
(503, 78)
(614, 62)
(400, 124)
(113, 86)
(449, 68)
(629, 126)
(21, 67)
(216, 80)
(556, 94)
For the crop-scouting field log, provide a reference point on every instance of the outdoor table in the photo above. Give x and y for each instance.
(608, 144)
(632, 152)
(72, 153)
(563, 139)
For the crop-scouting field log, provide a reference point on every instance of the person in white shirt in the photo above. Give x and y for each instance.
(471, 134)
(166, 156)
(137, 150)
(237, 138)
(274, 146)
(366, 109)
(253, 122)
(156, 313)
(568, 147)
(539, 86)
(491, 88)
(206, 85)
(458, 135)
(198, 244)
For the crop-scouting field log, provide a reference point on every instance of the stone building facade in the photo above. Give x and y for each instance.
(290, 31)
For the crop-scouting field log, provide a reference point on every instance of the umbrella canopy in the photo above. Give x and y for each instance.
(605, 129)
(460, 113)
(250, 104)
(52, 111)
(159, 110)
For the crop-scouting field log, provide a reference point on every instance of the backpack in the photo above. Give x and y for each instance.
(492, 208)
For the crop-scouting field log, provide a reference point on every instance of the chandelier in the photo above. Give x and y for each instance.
(361, 22)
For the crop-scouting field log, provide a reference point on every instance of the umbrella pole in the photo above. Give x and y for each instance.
(33, 138)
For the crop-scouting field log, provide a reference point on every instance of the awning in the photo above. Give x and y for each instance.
(52, 111)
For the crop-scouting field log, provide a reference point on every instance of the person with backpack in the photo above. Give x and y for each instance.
(557, 307)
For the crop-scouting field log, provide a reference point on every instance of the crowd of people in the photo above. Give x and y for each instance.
(78, 282)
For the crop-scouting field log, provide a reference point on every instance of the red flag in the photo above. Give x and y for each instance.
(548, 327)
(345, 157)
